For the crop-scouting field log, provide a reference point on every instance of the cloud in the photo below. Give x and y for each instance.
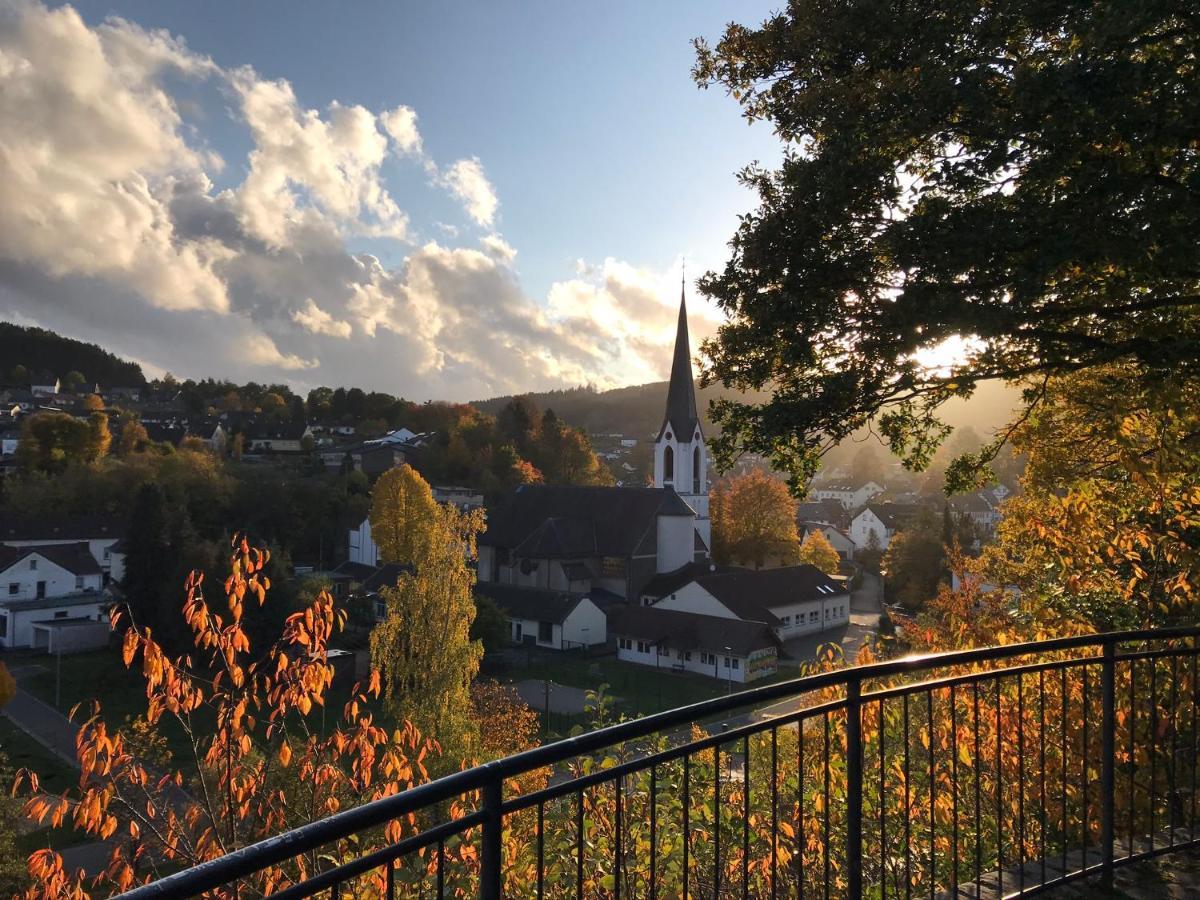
(401, 125)
(313, 318)
(499, 248)
(261, 351)
(112, 229)
(468, 182)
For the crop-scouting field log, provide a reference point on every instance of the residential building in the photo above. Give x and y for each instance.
(45, 583)
(791, 601)
(9, 439)
(362, 549)
(876, 523)
(828, 512)
(851, 496)
(552, 619)
(99, 533)
(44, 384)
(716, 646)
(838, 538)
(286, 437)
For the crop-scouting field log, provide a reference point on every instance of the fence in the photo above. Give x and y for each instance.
(1002, 770)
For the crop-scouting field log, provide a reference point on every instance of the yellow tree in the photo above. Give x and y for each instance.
(817, 551)
(754, 522)
(423, 647)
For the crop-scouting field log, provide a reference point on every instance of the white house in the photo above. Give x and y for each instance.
(729, 650)
(840, 540)
(99, 533)
(362, 548)
(877, 523)
(47, 583)
(849, 495)
(555, 620)
(44, 384)
(791, 601)
(9, 439)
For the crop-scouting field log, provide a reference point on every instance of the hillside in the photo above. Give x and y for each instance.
(637, 411)
(38, 350)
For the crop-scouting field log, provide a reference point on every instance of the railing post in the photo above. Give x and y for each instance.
(489, 863)
(1108, 762)
(854, 787)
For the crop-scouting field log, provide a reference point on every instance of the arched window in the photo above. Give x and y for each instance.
(669, 465)
(695, 470)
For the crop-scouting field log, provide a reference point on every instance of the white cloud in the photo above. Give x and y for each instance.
(261, 351)
(313, 318)
(499, 247)
(401, 124)
(111, 229)
(468, 182)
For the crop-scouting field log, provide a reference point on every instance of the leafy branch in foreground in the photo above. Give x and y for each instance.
(1021, 176)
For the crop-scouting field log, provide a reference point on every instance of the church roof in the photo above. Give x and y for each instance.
(572, 521)
(681, 392)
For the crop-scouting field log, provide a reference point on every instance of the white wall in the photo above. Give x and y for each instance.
(362, 548)
(19, 630)
(832, 612)
(763, 662)
(695, 599)
(676, 542)
(862, 527)
(586, 624)
(59, 582)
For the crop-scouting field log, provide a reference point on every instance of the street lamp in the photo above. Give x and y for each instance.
(729, 666)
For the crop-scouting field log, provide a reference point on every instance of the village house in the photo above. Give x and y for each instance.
(44, 384)
(287, 437)
(99, 533)
(716, 646)
(849, 495)
(838, 538)
(554, 620)
(47, 586)
(877, 523)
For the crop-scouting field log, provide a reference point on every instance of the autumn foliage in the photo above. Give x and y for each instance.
(259, 762)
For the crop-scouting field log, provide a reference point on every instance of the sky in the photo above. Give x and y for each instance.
(438, 200)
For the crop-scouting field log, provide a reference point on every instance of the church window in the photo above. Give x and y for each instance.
(695, 470)
(669, 464)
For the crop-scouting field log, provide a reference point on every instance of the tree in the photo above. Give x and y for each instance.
(52, 441)
(1106, 530)
(148, 567)
(915, 560)
(817, 551)
(866, 465)
(99, 437)
(490, 626)
(754, 521)
(72, 380)
(93, 403)
(506, 723)
(134, 436)
(259, 766)
(422, 648)
(1019, 174)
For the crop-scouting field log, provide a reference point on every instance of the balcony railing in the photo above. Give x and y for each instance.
(998, 771)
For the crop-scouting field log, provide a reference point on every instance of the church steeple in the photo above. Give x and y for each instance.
(681, 392)
(680, 456)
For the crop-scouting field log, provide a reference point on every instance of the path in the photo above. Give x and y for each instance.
(40, 720)
(558, 698)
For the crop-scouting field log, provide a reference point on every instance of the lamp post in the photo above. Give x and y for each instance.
(729, 666)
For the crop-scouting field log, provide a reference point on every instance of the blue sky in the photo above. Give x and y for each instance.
(605, 161)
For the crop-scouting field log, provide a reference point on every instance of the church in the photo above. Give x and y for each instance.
(602, 545)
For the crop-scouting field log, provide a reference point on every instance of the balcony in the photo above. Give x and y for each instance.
(992, 772)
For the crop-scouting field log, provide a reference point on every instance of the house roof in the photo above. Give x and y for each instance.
(751, 594)
(354, 570)
(892, 515)
(681, 391)
(47, 528)
(826, 510)
(680, 630)
(282, 431)
(536, 604)
(668, 582)
(385, 576)
(572, 520)
(86, 598)
(74, 557)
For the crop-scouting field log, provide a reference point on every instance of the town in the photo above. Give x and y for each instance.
(619, 450)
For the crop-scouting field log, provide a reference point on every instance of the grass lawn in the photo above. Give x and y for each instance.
(642, 690)
(24, 752)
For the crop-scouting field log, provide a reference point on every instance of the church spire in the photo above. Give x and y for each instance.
(681, 393)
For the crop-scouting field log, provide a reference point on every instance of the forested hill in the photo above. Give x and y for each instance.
(38, 350)
(638, 411)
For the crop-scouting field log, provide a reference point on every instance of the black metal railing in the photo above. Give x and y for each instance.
(1002, 770)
